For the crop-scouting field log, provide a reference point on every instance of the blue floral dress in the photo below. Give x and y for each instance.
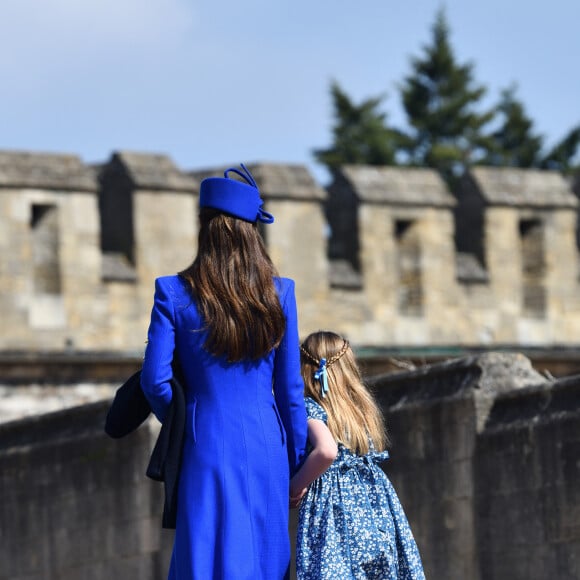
(351, 523)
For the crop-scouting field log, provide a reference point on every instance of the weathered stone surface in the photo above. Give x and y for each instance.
(523, 187)
(485, 457)
(116, 267)
(386, 256)
(397, 186)
(20, 169)
(469, 269)
(283, 180)
(526, 473)
(77, 502)
(150, 171)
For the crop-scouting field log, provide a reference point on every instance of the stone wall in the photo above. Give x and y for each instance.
(485, 456)
(385, 255)
(527, 495)
(75, 504)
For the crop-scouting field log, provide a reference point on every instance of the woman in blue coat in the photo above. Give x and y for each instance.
(231, 323)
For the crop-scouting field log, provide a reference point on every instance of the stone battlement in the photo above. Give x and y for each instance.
(388, 256)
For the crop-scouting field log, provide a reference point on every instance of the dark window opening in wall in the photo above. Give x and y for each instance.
(533, 268)
(410, 285)
(116, 214)
(117, 227)
(45, 250)
(401, 227)
(341, 210)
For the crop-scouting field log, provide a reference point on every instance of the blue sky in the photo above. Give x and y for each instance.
(220, 81)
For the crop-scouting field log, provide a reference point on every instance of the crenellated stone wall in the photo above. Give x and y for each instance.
(49, 242)
(387, 256)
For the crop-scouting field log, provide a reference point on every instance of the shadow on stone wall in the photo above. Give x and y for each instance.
(75, 504)
(485, 458)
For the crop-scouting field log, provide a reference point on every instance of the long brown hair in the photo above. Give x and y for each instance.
(232, 281)
(353, 414)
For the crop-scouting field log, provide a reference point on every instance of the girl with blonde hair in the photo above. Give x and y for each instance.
(351, 523)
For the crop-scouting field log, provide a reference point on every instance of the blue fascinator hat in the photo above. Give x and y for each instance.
(240, 199)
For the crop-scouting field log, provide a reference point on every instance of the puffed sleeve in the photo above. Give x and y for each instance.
(315, 411)
(157, 373)
(288, 384)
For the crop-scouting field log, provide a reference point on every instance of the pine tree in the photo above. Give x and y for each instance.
(562, 157)
(360, 133)
(440, 98)
(514, 144)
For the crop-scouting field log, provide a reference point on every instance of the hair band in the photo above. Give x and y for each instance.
(321, 374)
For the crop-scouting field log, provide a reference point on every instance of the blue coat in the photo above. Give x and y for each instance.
(245, 433)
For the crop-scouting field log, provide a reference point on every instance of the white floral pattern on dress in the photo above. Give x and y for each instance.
(351, 523)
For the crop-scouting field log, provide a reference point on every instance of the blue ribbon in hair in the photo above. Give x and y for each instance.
(321, 375)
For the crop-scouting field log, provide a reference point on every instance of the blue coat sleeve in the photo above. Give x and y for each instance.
(288, 383)
(157, 372)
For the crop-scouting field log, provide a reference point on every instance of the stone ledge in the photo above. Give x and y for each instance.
(46, 171)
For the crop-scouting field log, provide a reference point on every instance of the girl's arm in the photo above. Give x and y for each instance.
(324, 450)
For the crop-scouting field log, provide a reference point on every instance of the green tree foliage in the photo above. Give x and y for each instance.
(360, 133)
(441, 100)
(449, 129)
(563, 155)
(513, 144)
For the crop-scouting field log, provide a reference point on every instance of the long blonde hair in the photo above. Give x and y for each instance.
(353, 415)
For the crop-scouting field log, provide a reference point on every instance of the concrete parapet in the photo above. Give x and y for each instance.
(75, 503)
(485, 456)
(527, 496)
